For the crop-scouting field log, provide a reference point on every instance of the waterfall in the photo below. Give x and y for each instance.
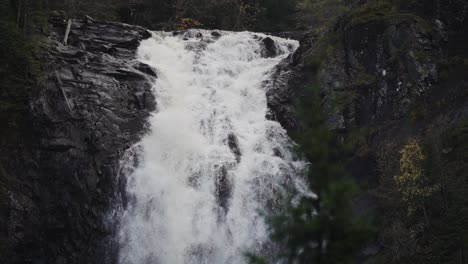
(212, 161)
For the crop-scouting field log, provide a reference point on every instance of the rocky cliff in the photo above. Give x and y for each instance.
(60, 159)
(385, 76)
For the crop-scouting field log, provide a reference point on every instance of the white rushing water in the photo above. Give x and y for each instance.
(212, 161)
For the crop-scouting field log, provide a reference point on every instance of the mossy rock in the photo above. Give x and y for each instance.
(322, 50)
(378, 11)
(363, 78)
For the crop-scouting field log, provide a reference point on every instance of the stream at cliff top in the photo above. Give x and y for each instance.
(212, 161)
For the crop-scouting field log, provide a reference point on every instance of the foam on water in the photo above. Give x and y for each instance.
(193, 198)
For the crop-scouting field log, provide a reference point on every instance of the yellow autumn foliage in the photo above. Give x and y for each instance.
(411, 182)
(186, 23)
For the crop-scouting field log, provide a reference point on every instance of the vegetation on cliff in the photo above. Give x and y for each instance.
(386, 89)
(413, 145)
(19, 51)
(323, 226)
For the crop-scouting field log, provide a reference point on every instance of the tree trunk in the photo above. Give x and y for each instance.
(425, 214)
(25, 16)
(67, 32)
(18, 15)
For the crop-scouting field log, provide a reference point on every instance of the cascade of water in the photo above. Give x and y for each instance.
(212, 160)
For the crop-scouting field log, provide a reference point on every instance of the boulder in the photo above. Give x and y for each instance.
(269, 48)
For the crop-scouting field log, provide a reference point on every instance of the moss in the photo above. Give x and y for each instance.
(455, 61)
(364, 78)
(378, 11)
(448, 64)
(324, 49)
(423, 25)
(356, 141)
(422, 55)
(102, 10)
(398, 55)
(344, 97)
(20, 49)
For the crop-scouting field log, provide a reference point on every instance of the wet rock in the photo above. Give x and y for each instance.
(70, 52)
(215, 34)
(179, 32)
(270, 50)
(58, 144)
(233, 144)
(67, 166)
(223, 188)
(146, 100)
(89, 19)
(146, 69)
(285, 85)
(277, 153)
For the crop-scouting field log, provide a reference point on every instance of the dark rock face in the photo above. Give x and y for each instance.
(283, 88)
(269, 48)
(215, 34)
(380, 62)
(92, 108)
(384, 82)
(388, 68)
(380, 72)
